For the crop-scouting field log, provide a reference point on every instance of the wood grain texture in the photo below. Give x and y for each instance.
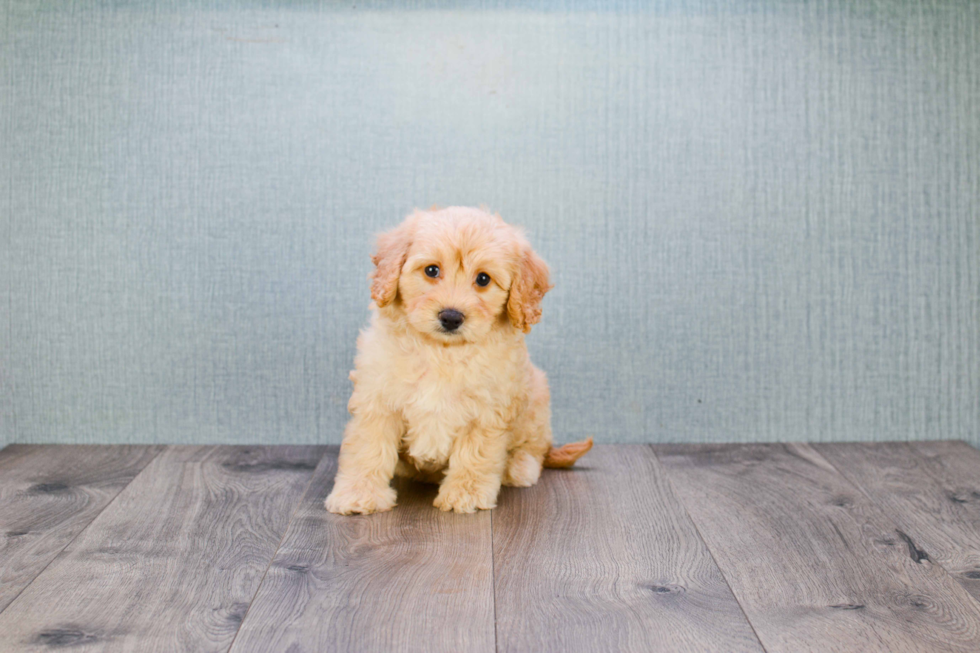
(603, 557)
(413, 579)
(813, 562)
(173, 562)
(48, 494)
(931, 490)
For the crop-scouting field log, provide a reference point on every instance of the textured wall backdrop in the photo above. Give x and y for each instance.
(763, 218)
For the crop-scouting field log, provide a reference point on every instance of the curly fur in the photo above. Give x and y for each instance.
(465, 409)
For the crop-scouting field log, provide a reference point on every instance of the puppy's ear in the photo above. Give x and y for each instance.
(389, 259)
(527, 290)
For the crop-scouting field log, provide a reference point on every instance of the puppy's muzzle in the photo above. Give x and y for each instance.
(450, 319)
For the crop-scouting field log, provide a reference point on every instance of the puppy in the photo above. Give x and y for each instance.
(444, 390)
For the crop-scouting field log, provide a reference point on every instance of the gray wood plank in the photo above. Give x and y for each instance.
(812, 561)
(173, 562)
(413, 579)
(931, 490)
(48, 494)
(603, 557)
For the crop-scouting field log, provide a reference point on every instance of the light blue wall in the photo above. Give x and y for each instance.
(763, 218)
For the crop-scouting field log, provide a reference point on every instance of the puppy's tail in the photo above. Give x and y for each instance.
(565, 456)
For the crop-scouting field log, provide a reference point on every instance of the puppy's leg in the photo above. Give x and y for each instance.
(523, 468)
(367, 462)
(531, 442)
(531, 436)
(476, 464)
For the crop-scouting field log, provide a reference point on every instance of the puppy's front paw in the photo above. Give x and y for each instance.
(461, 499)
(360, 499)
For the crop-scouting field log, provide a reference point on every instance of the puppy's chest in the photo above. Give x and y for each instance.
(449, 388)
(442, 397)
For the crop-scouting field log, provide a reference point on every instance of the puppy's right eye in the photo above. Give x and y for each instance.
(432, 271)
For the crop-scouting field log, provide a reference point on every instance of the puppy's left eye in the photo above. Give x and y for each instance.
(432, 271)
(483, 279)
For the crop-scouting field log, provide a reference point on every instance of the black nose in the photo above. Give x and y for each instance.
(450, 319)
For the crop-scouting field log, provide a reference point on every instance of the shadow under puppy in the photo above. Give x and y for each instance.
(444, 390)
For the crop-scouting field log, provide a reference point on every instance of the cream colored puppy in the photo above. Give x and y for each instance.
(444, 390)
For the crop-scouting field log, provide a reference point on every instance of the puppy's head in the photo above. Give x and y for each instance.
(455, 273)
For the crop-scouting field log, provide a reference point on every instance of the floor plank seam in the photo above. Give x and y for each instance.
(272, 558)
(711, 553)
(493, 578)
(885, 513)
(79, 533)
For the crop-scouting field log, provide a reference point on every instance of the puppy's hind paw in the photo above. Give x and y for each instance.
(352, 500)
(523, 470)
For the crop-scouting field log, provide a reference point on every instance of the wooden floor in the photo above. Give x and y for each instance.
(829, 547)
